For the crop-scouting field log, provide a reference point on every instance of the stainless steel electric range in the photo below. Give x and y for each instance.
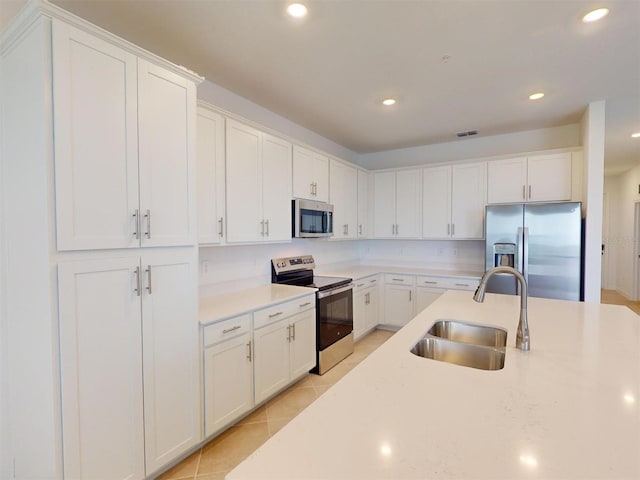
(334, 308)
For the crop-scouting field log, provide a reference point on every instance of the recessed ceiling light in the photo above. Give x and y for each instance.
(389, 101)
(635, 135)
(536, 96)
(297, 10)
(595, 15)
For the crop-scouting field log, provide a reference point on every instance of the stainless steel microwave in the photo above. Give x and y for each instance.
(312, 219)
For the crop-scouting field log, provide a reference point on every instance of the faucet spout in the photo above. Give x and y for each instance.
(523, 340)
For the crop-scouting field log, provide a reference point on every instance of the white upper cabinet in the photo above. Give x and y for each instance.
(96, 149)
(124, 135)
(310, 174)
(210, 177)
(258, 185)
(539, 178)
(363, 204)
(453, 201)
(468, 199)
(436, 202)
(167, 134)
(343, 194)
(397, 204)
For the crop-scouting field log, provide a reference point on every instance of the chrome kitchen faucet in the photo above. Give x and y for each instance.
(522, 336)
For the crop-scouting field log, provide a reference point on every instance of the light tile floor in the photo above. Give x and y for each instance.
(223, 453)
(614, 298)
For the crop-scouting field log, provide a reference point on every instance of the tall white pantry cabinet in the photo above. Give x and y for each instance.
(99, 253)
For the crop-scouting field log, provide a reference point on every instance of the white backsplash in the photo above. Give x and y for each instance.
(229, 268)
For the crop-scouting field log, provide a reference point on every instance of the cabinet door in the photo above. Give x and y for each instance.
(96, 146)
(385, 204)
(372, 310)
(549, 177)
(210, 177)
(343, 196)
(436, 202)
(271, 359)
(303, 173)
(321, 177)
(425, 296)
(507, 180)
(171, 362)
(468, 201)
(276, 188)
(398, 305)
(101, 369)
(408, 203)
(167, 135)
(302, 346)
(228, 382)
(243, 183)
(363, 204)
(359, 311)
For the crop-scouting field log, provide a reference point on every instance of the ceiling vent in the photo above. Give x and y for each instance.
(468, 133)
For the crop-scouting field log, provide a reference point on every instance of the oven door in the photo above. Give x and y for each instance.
(334, 315)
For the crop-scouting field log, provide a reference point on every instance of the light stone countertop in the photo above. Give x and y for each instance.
(567, 409)
(218, 307)
(361, 271)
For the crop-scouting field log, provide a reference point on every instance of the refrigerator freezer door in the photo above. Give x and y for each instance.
(554, 250)
(503, 223)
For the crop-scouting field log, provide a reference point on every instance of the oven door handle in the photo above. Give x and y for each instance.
(334, 291)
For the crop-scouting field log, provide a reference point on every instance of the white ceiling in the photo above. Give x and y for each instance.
(330, 71)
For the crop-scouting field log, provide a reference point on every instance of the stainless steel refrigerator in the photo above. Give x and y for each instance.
(543, 241)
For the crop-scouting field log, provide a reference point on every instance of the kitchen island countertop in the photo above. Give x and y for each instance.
(567, 409)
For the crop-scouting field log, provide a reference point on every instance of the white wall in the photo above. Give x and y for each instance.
(227, 100)
(593, 123)
(476, 147)
(244, 266)
(622, 238)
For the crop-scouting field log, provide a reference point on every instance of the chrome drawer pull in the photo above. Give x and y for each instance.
(430, 283)
(138, 284)
(249, 354)
(462, 284)
(275, 314)
(136, 217)
(398, 279)
(148, 271)
(305, 304)
(227, 330)
(148, 217)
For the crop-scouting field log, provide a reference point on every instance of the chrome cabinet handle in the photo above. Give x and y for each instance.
(524, 197)
(266, 224)
(360, 229)
(409, 295)
(289, 333)
(273, 315)
(148, 272)
(397, 229)
(462, 284)
(262, 228)
(249, 350)
(305, 304)
(360, 285)
(398, 279)
(136, 218)
(448, 229)
(221, 230)
(529, 192)
(138, 284)
(228, 330)
(430, 283)
(453, 229)
(293, 328)
(148, 217)
(373, 281)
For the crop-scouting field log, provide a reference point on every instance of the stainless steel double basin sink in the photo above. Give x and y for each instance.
(466, 344)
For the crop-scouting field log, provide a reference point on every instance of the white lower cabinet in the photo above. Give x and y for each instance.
(429, 288)
(228, 372)
(283, 351)
(365, 306)
(129, 369)
(399, 299)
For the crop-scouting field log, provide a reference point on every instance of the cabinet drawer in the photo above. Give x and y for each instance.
(366, 282)
(226, 329)
(282, 310)
(396, 279)
(461, 283)
(433, 282)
